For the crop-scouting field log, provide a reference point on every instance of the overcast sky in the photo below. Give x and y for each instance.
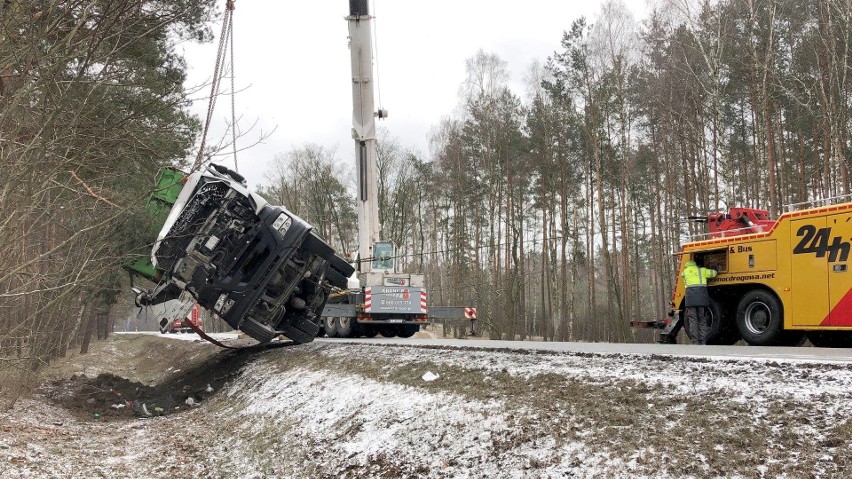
(293, 72)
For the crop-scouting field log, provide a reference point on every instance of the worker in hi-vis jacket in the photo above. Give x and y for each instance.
(697, 301)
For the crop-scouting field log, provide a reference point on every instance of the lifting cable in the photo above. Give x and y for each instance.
(225, 39)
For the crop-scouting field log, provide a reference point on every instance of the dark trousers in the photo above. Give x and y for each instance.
(698, 323)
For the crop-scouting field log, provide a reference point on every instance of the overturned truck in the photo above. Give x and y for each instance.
(259, 267)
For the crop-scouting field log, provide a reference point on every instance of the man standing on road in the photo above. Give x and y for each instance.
(697, 301)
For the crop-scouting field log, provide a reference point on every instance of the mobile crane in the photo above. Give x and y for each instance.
(779, 282)
(386, 301)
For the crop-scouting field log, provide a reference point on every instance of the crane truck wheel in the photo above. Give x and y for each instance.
(387, 331)
(760, 319)
(344, 327)
(408, 330)
(330, 326)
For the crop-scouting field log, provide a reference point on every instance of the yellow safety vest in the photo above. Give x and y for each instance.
(695, 276)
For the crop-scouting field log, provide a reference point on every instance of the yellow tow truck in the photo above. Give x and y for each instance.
(780, 281)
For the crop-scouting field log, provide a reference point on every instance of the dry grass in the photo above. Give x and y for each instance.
(16, 380)
(147, 359)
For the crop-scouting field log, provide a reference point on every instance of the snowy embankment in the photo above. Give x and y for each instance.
(342, 410)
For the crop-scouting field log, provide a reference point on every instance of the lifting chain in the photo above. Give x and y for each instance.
(225, 39)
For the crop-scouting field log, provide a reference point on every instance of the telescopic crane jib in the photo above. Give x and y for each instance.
(364, 128)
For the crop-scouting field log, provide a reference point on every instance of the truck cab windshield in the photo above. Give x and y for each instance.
(383, 257)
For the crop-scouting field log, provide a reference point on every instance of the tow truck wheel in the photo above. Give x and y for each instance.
(760, 319)
(797, 339)
(344, 327)
(330, 325)
(722, 330)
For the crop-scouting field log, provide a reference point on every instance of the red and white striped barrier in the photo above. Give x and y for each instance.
(368, 299)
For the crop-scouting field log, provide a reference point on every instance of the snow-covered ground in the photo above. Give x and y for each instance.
(187, 336)
(344, 410)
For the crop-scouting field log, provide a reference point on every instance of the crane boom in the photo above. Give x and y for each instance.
(364, 128)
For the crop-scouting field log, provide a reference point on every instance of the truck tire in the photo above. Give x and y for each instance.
(388, 331)
(345, 327)
(722, 332)
(299, 328)
(336, 279)
(314, 244)
(760, 319)
(341, 266)
(801, 340)
(258, 331)
(408, 330)
(330, 325)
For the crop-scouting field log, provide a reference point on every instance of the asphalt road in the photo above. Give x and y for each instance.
(835, 355)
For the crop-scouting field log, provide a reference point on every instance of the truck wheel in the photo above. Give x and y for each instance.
(760, 319)
(317, 246)
(341, 265)
(344, 327)
(722, 332)
(336, 279)
(723, 329)
(370, 331)
(798, 339)
(299, 328)
(408, 330)
(257, 330)
(330, 325)
(719, 331)
(387, 331)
